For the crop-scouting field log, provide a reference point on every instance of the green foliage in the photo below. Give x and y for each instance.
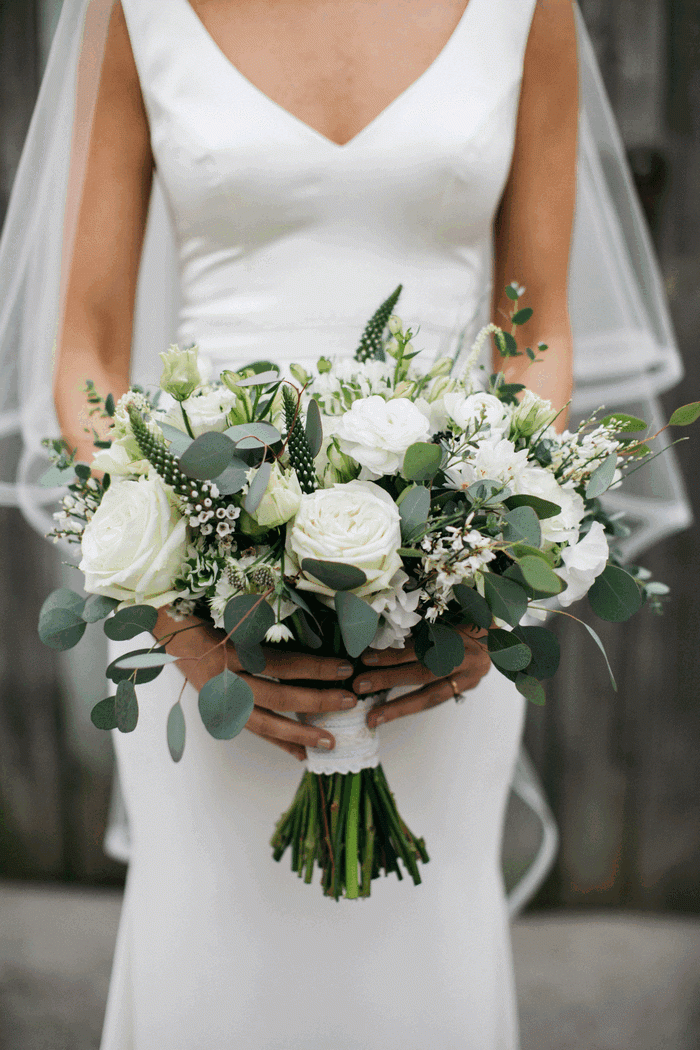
(248, 618)
(127, 623)
(207, 457)
(422, 461)
(141, 661)
(506, 650)
(61, 623)
(506, 598)
(126, 707)
(314, 428)
(539, 575)
(252, 658)
(104, 715)
(234, 478)
(544, 646)
(531, 688)
(522, 316)
(117, 673)
(300, 455)
(257, 487)
(487, 493)
(334, 574)
(622, 422)
(371, 343)
(358, 622)
(414, 507)
(522, 526)
(179, 441)
(602, 477)
(439, 648)
(685, 415)
(542, 507)
(615, 595)
(225, 705)
(253, 435)
(56, 476)
(98, 606)
(176, 731)
(476, 609)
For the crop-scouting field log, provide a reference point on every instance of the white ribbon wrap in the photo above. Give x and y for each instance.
(356, 745)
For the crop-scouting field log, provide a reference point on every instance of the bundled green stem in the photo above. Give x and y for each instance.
(300, 455)
(349, 825)
(371, 343)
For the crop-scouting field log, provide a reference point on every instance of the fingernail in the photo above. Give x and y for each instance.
(377, 721)
(371, 660)
(348, 701)
(363, 687)
(344, 671)
(325, 741)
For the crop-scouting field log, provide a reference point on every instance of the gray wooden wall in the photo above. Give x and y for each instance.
(622, 770)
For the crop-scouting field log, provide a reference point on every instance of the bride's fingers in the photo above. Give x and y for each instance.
(279, 697)
(292, 749)
(476, 660)
(431, 696)
(300, 666)
(287, 730)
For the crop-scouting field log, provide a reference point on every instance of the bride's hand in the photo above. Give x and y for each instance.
(390, 668)
(202, 658)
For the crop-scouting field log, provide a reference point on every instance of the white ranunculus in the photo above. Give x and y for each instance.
(474, 410)
(134, 545)
(376, 433)
(281, 500)
(206, 411)
(397, 608)
(583, 563)
(356, 524)
(537, 481)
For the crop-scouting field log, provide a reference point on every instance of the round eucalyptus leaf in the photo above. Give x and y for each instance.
(521, 525)
(544, 646)
(507, 651)
(233, 479)
(56, 476)
(207, 456)
(260, 379)
(61, 624)
(127, 623)
(476, 608)
(225, 705)
(257, 487)
(522, 316)
(252, 658)
(134, 661)
(414, 508)
(602, 477)
(506, 598)
(542, 507)
(253, 435)
(140, 676)
(126, 707)
(176, 732)
(314, 428)
(104, 715)
(539, 575)
(98, 606)
(358, 622)
(615, 595)
(446, 652)
(179, 441)
(422, 461)
(248, 618)
(334, 574)
(531, 688)
(488, 492)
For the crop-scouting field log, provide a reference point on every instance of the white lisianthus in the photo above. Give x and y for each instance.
(583, 563)
(494, 458)
(181, 375)
(123, 458)
(356, 524)
(281, 500)
(376, 433)
(537, 481)
(206, 411)
(472, 411)
(135, 543)
(397, 609)
(532, 414)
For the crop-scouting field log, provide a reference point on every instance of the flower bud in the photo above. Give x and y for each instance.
(442, 367)
(532, 414)
(281, 500)
(395, 324)
(180, 376)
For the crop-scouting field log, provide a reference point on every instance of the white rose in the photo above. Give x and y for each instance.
(281, 500)
(207, 411)
(537, 481)
(134, 544)
(475, 410)
(583, 562)
(376, 433)
(356, 524)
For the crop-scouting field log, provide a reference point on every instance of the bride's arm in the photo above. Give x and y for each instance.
(532, 236)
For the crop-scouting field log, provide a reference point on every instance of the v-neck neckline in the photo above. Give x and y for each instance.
(383, 113)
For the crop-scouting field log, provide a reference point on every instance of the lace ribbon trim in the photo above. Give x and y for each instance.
(356, 745)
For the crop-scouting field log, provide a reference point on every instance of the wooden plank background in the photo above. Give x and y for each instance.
(622, 771)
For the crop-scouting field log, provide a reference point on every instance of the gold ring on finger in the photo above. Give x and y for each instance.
(456, 691)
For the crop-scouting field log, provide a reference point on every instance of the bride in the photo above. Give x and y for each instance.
(311, 155)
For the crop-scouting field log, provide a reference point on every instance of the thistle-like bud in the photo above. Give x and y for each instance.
(371, 347)
(299, 452)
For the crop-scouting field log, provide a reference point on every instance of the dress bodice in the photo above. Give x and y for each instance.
(286, 241)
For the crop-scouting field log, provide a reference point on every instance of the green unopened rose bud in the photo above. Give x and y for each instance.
(395, 324)
(442, 367)
(324, 365)
(532, 414)
(281, 500)
(180, 376)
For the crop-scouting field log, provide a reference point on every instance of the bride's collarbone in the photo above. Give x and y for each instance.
(334, 64)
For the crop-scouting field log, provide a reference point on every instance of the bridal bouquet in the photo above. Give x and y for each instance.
(363, 504)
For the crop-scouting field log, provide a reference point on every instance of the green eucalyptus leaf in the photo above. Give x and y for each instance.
(522, 550)
(253, 435)
(257, 488)
(507, 651)
(140, 676)
(207, 456)
(142, 661)
(225, 705)
(685, 415)
(531, 688)
(252, 658)
(422, 461)
(314, 428)
(414, 508)
(506, 598)
(104, 715)
(334, 574)
(257, 367)
(544, 646)
(600, 645)
(178, 439)
(476, 608)
(539, 575)
(176, 731)
(358, 622)
(521, 525)
(126, 707)
(248, 618)
(488, 492)
(127, 623)
(615, 595)
(446, 651)
(61, 623)
(542, 507)
(506, 344)
(602, 477)
(97, 607)
(234, 478)
(260, 379)
(305, 630)
(55, 476)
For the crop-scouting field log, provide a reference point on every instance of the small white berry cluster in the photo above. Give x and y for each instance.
(205, 516)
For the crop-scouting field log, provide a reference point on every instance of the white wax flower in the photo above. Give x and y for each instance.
(281, 500)
(356, 524)
(470, 411)
(376, 433)
(583, 563)
(537, 481)
(134, 545)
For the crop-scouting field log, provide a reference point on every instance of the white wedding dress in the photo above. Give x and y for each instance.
(287, 243)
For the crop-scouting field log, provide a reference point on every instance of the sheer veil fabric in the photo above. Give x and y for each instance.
(625, 349)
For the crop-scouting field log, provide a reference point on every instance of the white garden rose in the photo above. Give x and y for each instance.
(134, 545)
(473, 410)
(356, 524)
(583, 563)
(376, 433)
(537, 481)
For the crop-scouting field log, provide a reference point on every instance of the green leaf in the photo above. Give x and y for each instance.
(314, 428)
(61, 623)
(253, 435)
(140, 677)
(257, 488)
(475, 607)
(622, 422)
(178, 439)
(507, 651)
(539, 575)
(522, 526)
(103, 715)
(358, 622)
(234, 478)
(260, 378)
(207, 456)
(410, 552)
(98, 606)
(414, 508)
(506, 598)
(225, 705)
(601, 478)
(544, 646)
(252, 658)
(248, 618)
(506, 344)
(127, 623)
(446, 652)
(134, 661)
(126, 707)
(522, 550)
(56, 476)
(530, 688)
(600, 645)
(488, 492)
(615, 595)
(522, 316)
(512, 293)
(109, 405)
(422, 461)
(334, 574)
(83, 471)
(542, 507)
(307, 635)
(685, 415)
(257, 367)
(176, 732)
